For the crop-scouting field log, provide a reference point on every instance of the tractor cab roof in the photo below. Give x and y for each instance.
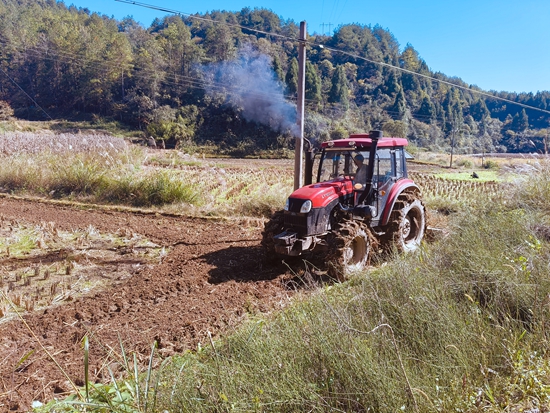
(364, 141)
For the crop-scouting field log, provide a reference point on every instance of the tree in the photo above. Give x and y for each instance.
(479, 110)
(399, 107)
(313, 83)
(220, 42)
(427, 110)
(277, 69)
(6, 111)
(521, 123)
(392, 86)
(339, 92)
(291, 77)
(395, 128)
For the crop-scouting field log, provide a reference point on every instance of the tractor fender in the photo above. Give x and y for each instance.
(397, 189)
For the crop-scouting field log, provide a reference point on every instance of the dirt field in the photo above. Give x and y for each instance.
(208, 276)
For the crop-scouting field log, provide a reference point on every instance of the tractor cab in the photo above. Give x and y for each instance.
(371, 164)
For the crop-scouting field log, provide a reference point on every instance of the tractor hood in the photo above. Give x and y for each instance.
(323, 193)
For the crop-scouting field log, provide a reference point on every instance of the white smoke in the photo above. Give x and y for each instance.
(250, 84)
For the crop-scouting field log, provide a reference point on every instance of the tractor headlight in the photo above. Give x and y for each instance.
(306, 207)
(287, 205)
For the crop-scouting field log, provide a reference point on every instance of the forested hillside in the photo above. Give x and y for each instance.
(209, 80)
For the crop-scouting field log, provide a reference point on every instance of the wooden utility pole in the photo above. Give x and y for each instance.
(299, 151)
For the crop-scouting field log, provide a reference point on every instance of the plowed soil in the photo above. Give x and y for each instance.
(210, 278)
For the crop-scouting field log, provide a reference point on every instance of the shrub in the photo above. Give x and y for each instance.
(532, 188)
(6, 111)
(464, 163)
(489, 164)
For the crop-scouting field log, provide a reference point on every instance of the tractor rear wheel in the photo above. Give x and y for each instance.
(271, 228)
(349, 249)
(407, 223)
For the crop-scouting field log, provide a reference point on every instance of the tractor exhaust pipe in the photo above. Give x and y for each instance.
(375, 135)
(308, 164)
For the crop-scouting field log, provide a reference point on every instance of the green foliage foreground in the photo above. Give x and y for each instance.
(422, 333)
(461, 326)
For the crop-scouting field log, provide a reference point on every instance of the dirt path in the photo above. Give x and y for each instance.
(211, 277)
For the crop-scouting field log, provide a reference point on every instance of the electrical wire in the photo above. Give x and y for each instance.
(355, 56)
(198, 83)
(34, 101)
(184, 81)
(144, 73)
(433, 79)
(194, 16)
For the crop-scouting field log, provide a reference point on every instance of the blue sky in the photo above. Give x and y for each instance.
(501, 45)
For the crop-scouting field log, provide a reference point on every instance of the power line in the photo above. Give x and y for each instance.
(430, 77)
(356, 56)
(193, 82)
(144, 73)
(194, 16)
(29, 96)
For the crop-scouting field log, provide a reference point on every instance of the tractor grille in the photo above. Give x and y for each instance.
(313, 223)
(296, 221)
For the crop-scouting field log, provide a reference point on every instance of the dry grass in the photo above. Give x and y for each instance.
(13, 143)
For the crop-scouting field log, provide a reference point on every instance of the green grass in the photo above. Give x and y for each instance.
(19, 241)
(484, 175)
(418, 334)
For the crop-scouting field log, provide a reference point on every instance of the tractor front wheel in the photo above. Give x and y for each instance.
(349, 249)
(408, 224)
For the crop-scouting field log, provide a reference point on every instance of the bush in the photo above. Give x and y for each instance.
(489, 164)
(6, 112)
(464, 163)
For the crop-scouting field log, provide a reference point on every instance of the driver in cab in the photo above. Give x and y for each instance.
(361, 173)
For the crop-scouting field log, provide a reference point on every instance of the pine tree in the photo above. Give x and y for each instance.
(399, 107)
(392, 85)
(427, 110)
(277, 69)
(313, 83)
(479, 110)
(339, 92)
(291, 77)
(523, 123)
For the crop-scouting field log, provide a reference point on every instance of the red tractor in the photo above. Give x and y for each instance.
(363, 200)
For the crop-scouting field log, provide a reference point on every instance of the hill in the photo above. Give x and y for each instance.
(188, 81)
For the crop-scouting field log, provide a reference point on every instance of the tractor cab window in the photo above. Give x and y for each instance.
(399, 163)
(338, 163)
(384, 171)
